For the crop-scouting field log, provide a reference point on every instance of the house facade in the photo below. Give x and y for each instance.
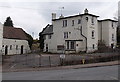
(14, 41)
(107, 32)
(74, 34)
(1, 37)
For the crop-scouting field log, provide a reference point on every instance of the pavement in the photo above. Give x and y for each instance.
(63, 67)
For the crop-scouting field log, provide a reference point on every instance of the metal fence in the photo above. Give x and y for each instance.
(0, 57)
(49, 60)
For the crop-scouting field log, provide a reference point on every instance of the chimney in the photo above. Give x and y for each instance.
(53, 15)
(86, 11)
(61, 16)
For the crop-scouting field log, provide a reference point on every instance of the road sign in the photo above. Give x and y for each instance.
(62, 56)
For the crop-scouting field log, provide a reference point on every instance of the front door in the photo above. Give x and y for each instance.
(112, 45)
(46, 47)
(6, 50)
(21, 49)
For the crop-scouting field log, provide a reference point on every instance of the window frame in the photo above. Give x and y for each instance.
(112, 37)
(10, 47)
(93, 34)
(16, 47)
(79, 21)
(73, 22)
(64, 23)
(65, 35)
(92, 20)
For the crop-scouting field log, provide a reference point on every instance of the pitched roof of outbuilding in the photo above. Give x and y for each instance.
(14, 33)
(48, 30)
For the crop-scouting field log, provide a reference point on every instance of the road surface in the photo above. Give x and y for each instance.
(95, 73)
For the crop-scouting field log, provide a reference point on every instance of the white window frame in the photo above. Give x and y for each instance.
(64, 23)
(65, 35)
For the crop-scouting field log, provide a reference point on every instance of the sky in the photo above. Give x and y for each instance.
(34, 15)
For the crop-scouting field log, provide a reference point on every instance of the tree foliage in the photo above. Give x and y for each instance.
(8, 22)
(41, 40)
(118, 35)
(30, 39)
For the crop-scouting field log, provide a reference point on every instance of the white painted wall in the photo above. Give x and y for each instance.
(112, 30)
(1, 36)
(107, 31)
(75, 34)
(14, 42)
(92, 41)
(103, 31)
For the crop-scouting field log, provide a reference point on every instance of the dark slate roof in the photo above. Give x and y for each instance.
(48, 30)
(108, 20)
(75, 16)
(14, 33)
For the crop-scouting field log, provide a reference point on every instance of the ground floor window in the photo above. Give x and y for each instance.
(70, 45)
(93, 46)
(60, 47)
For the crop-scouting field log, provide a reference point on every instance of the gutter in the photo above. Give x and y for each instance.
(84, 37)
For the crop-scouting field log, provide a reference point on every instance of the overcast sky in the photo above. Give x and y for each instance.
(34, 15)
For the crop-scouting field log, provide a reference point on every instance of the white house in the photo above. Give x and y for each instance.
(107, 32)
(76, 33)
(14, 41)
(1, 37)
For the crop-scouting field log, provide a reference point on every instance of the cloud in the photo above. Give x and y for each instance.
(33, 16)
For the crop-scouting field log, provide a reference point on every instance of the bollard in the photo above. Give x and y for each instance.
(83, 61)
(50, 61)
(39, 60)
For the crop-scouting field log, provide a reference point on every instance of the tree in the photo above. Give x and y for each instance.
(8, 22)
(118, 27)
(30, 39)
(41, 40)
(118, 35)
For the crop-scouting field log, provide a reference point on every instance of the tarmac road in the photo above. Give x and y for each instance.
(94, 73)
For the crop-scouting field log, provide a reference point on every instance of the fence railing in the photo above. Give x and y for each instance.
(49, 60)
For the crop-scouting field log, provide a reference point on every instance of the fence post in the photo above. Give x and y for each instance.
(26, 59)
(39, 60)
(50, 61)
